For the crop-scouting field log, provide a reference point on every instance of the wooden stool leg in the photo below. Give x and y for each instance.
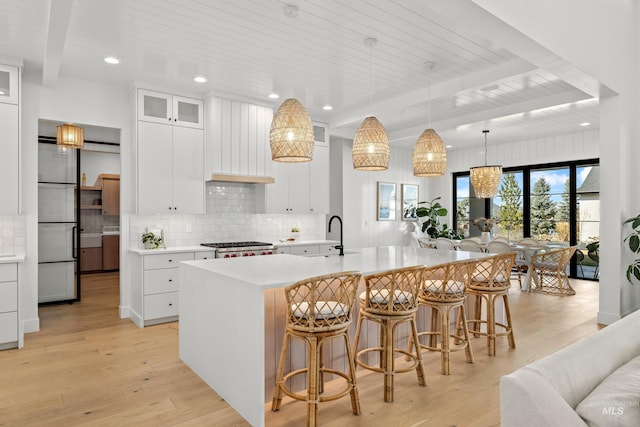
(477, 313)
(465, 331)
(419, 368)
(491, 325)
(277, 391)
(355, 398)
(507, 310)
(444, 340)
(312, 382)
(433, 339)
(387, 361)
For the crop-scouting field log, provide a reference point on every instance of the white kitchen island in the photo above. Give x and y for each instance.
(226, 326)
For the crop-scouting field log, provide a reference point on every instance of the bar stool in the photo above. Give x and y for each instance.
(443, 290)
(318, 309)
(489, 281)
(391, 298)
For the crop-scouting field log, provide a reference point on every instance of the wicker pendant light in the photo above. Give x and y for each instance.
(70, 136)
(370, 150)
(429, 153)
(291, 134)
(485, 179)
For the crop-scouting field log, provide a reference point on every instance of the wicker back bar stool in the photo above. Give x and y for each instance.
(550, 272)
(490, 281)
(443, 291)
(391, 298)
(318, 309)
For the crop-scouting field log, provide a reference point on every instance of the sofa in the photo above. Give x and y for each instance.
(592, 382)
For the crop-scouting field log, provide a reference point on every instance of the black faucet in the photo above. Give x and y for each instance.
(341, 245)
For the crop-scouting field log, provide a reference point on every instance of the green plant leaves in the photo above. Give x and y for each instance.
(633, 240)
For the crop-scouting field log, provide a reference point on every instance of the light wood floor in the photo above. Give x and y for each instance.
(88, 367)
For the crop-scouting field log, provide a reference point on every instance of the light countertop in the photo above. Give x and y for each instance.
(307, 242)
(170, 250)
(8, 259)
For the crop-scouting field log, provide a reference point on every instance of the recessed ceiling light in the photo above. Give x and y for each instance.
(111, 60)
(274, 96)
(327, 108)
(448, 146)
(199, 79)
(585, 124)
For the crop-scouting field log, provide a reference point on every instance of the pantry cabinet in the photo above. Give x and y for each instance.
(158, 107)
(9, 139)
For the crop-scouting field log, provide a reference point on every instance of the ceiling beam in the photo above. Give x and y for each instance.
(492, 114)
(58, 26)
(445, 89)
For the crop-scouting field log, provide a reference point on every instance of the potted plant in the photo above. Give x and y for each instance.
(151, 241)
(431, 223)
(294, 232)
(633, 240)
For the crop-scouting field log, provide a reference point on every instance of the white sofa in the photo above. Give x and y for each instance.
(594, 381)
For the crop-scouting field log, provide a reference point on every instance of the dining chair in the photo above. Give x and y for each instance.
(475, 239)
(528, 241)
(549, 272)
(444, 243)
(390, 298)
(501, 239)
(498, 247)
(319, 309)
(470, 246)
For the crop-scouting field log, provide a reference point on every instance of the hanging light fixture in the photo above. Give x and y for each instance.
(485, 179)
(291, 134)
(429, 154)
(70, 136)
(370, 150)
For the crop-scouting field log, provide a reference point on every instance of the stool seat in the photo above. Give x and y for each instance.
(390, 298)
(319, 309)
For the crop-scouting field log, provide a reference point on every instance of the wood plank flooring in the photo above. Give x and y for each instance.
(88, 367)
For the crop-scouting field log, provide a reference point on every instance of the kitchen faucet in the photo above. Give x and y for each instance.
(341, 245)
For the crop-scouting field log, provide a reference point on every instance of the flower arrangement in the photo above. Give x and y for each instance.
(485, 224)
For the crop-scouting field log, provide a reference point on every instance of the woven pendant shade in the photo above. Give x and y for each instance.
(291, 134)
(485, 180)
(370, 150)
(429, 155)
(70, 136)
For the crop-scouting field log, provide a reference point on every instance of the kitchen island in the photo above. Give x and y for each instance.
(232, 315)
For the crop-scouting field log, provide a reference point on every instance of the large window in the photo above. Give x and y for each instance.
(556, 203)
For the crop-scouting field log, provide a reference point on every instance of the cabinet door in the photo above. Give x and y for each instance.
(9, 84)
(9, 160)
(111, 252)
(188, 170)
(187, 112)
(278, 192)
(91, 259)
(298, 187)
(154, 168)
(320, 135)
(110, 196)
(154, 106)
(319, 181)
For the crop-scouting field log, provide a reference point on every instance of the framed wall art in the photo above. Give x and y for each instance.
(386, 201)
(409, 202)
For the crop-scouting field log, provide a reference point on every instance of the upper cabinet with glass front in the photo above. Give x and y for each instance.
(163, 108)
(8, 84)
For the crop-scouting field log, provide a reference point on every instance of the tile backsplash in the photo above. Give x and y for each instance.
(12, 235)
(230, 217)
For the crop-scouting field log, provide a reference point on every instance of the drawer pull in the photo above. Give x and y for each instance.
(170, 260)
(170, 280)
(170, 304)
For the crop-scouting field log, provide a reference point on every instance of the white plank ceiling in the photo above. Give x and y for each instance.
(487, 75)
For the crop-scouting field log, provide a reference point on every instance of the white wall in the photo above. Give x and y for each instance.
(70, 101)
(602, 40)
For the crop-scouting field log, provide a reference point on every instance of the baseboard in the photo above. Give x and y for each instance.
(31, 325)
(607, 318)
(135, 317)
(124, 311)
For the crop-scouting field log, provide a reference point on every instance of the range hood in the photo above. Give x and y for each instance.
(247, 179)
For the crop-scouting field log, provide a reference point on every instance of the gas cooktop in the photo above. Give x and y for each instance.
(224, 245)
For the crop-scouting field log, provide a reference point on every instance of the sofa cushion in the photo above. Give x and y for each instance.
(615, 402)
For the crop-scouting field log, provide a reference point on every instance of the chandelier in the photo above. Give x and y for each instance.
(70, 136)
(370, 150)
(485, 179)
(291, 134)
(429, 153)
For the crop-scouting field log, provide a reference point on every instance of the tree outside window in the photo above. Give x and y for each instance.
(543, 211)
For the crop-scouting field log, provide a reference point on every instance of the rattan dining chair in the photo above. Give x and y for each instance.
(549, 273)
(443, 291)
(391, 298)
(319, 309)
(489, 282)
(444, 243)
(470, 246)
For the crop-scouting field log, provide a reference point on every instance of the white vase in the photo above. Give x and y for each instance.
(485, 237)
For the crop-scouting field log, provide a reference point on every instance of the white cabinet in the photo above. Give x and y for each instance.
(300, 188)
(308, 250)
(237, 138)
(155, 290)
(158, 107)
(170, 169)
(8, 306)
(9, 84)
(9, 164)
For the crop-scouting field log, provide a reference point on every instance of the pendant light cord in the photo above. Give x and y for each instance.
(429, 92)
(371, 78)
(291, 44)
(485, 146)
